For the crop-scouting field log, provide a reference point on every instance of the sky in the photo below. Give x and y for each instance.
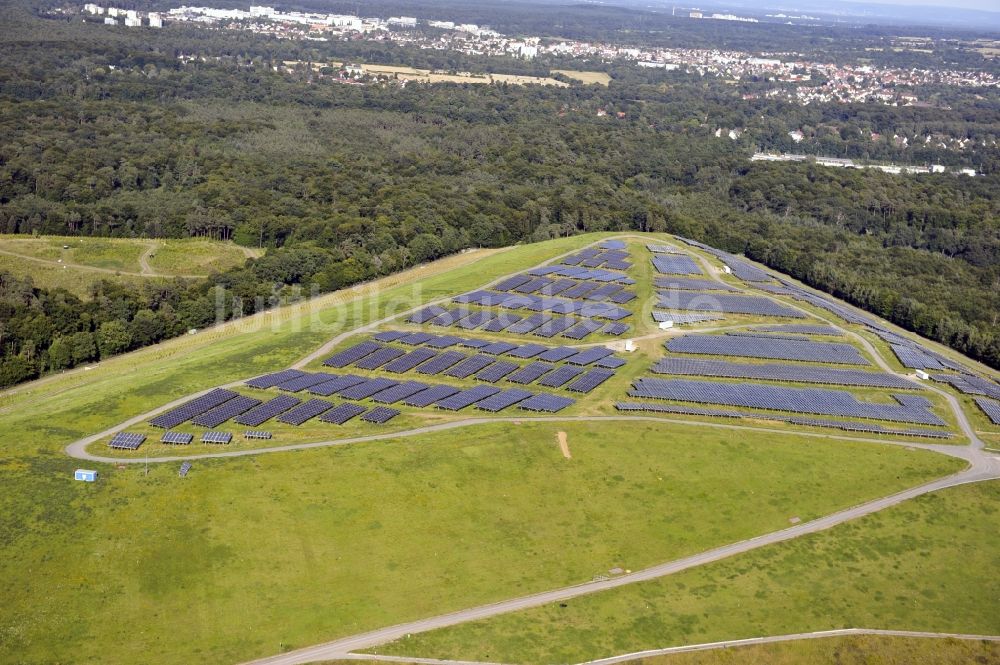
(985, 5)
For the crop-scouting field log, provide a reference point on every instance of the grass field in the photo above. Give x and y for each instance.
(918, 566)
(602, 78)
(853, 650)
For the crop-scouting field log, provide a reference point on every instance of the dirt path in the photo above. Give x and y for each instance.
(564, 445)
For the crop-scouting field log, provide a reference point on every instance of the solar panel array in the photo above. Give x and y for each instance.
(216, 437)
(352, 355)
(850, 426)
(379, 358)
(581, 273)
(380, 414)
(676, 264)
(183, 471)
(740, 268)
(195, 407)
(691, 284)
(339, 415)
(225, 411)
(270, 380)
(684, 319)
(804, 328)
(590, 380)
(398, 392)
(546, 403)
(503, 399)
(615, 329)
(177, 438)
(661, 249)
(465, 398)
(759, 347)
(990, 407)
(126, 441)
(914, 357)
(304, 412)
(969, 384)
(256, 434)
(267, 410)
(497, 371)
(542, 303)
(725, 302)
(780, 372)
(410, 360)
(821, 401)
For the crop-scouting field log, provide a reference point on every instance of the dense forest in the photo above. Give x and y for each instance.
(108, 133)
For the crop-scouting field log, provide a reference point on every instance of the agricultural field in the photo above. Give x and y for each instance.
(75, 263)
(495, 424)
(601, 78)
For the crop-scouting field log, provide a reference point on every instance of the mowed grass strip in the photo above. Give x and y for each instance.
(928, 564)
(248, 556)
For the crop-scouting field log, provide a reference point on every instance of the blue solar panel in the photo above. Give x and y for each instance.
(503, 399)
(126, 441)
(476, 320)
(444, 341)
(367, 389)
(470, 366)
(410, 360)
(380, 414)
(398, 392)
(336, 385)
(271, 380)
(692, 284)
(441, 363)
(615, 329)
(780, 372)
(590, 355)
(724, 302)
(547, 403)
(304, 381)
(496, 371)
(216, 437)
(584, 328)
(560, 376)
(590, 380)
(502, 322)
(610, 363)
(225, 411)
(528, 324)
(431, 395)
(416, 338)
(388, 335)
(267, 410)
(189, 410)
(352, 355)
(496, 348)
(527, 351)
(339, 415)
(676, 264)
(530, 372)
(990, 407)
(759, 347)
(557, 353)
(379, 358)
(426, 314)
(181, 438)
(554, 327)
(304, 412)
(466, 398)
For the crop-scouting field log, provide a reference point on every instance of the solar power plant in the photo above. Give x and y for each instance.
(572, 260)
(444, 341)
(216, 437)
(339, 415)
(271, 380)
(530, 372)
(187, 411)
(410, 360)
(816, 422)
(256, 434)
(431, 395)
(527, 351)
(380, 414)
(691, 284)
(512, 282)
(466, 398)
(724, 302)
(683, 319)
(470, 366)
(756, 347)
(497, 371)
(613, 244)
(225, 411)
(747, 272)
(584, 328)
(560, 377)
(496, 348)
(180, 438)
(547, 403)
(126, 441)
(336, 385)
(475, 343)
(823, 401)
(557, 353)
(970, 385)
(590, 380)
(503, 399)
(610, 363)
(990, 407)
(780, 372)
(264, 412)
(603, 291)
(617, 265)
(554, 327)
(596, 274)
(915, 358)
(590, 355)
(304, 412)
(389, 335)
(305, 381)
(604, 311)
(558, 286)
(426, 314)
(367, 389)
(417, 338)
(379, 358)
(804, 328)
(481, 297)
(580, 290)
(615, 329)
(183, 471)
(528, 324)
(503, 321)
(398, 392)
(676, 264)
(623, 297)
(441, 363)
(533, 285)
(352, 354)
(476, 320)
(450, 317)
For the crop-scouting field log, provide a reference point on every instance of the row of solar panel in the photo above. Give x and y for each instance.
(990, 407)
(594, 258)
(969, 384)
(874, 428)
(566, 288)
(676, 264)
(821, 401)
(725, 302)
(574, 272)
(692, 284)
(680, 319)
(765, 347)
(540, 325)
(533, 303)
(781, 372)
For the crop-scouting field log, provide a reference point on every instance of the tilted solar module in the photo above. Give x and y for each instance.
(805, 328)
(502, 322)
(256, 434)
(410, 360)
(271, 380)
(503, 399)
(496, 371)
(990, 407)
(367, 389)
(185, 468)
(779, 372)
(554, 327)
(431, 395)
(398, 392)
(441, 363)
(450, 317)
(613, 244)
(416, 338)
(470, 366)
(476, 320)
(216, 437)
(339, 415)
(304, 412)
(512, 282)
(676, 264)
(180, 438)
(557, 353)
(466, 398)
(590, 380)
(379, 358)
(388, 335)
(915, 357)
(444, 341)
(779, 349)
(692, 284)
(682, 319)
(300, 383)
(547, 403)
(475, 343)
(530, 372)
(610, 363)
(380, 414)
(558, 286)
(189, 410)
(725, 302)
(336, 385)
(264, 412)
(352, 355)
(496, 348)
(615, 329)
(426, 314)
(580, 290)
(583, 329)
(126, 441)
(587, 356)
(560, 376)
(527, 351)
(623, 297)
(528, 324)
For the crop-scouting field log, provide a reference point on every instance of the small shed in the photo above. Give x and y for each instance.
(86, 475)
(921, 374)
(664, 325)
(726, 269)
